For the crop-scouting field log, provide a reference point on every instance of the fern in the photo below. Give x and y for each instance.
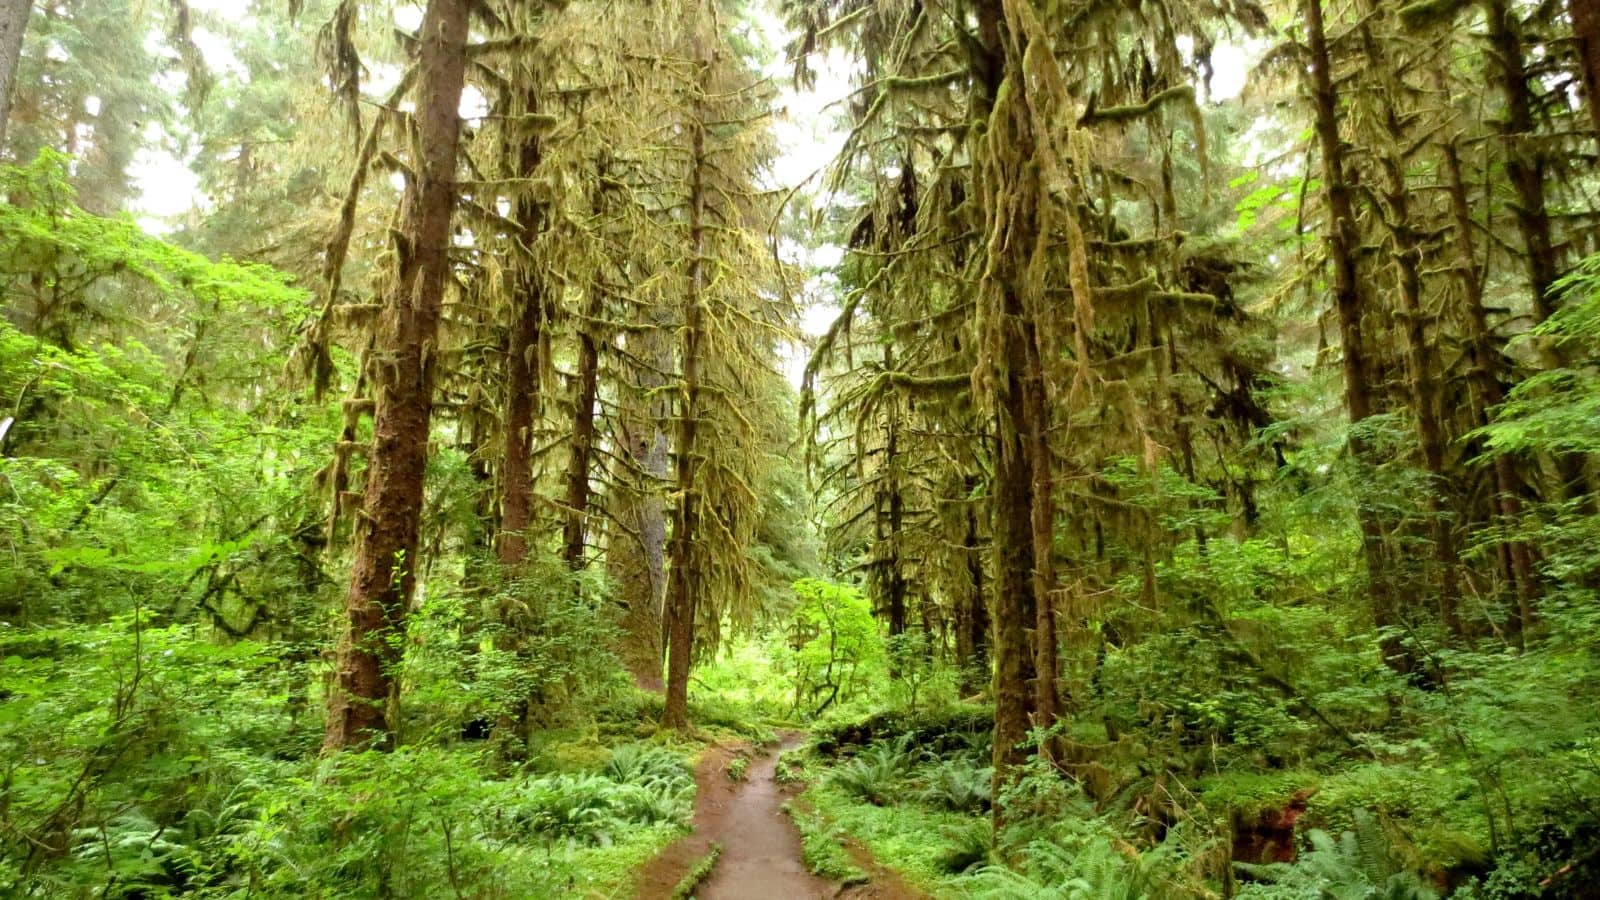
(640, 762)
(959, 787)
(876, 773)
(970, 845)
(1357, 865)
(1096, 872)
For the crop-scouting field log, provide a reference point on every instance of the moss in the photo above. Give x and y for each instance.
(697, 873)
(1252, 792)
(568, 751)
(822, 849)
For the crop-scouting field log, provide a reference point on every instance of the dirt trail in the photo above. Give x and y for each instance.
(760, 846)
(761, 856)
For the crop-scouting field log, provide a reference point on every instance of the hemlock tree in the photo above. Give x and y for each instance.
(13, 26)
(719, 274)
(384, 571)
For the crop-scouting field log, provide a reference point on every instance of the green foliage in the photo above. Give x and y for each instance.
(403, 823)
(68, 271)
(836, 644)
(548, 643)
(700, 871)
(821, 847)
(958, 786)
(1357, 865)
(1095, 871)
(968, 846)
(1558, 410)
(145, 466)
(924, 844)
(877, 773)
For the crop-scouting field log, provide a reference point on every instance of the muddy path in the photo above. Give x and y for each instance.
(761, 856)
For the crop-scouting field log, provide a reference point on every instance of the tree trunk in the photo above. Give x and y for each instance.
(1042, 530)
(1343, 243)
(1586, 32)
(893, 568)
(1525, 166)
(635, 552)
(13, 27)
(523, 365)
(1014, 608)
(972, 614)
(384, 571)
(582, 448)
(1526, 170)
(683, 594)
(1484, 353)
(1421, 382)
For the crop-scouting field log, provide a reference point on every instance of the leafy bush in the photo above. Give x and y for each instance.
(877, 773)
(1357, 865)
(838, 642)
(640, 762)
(821, 849)
(1094, 871)
(574, 807)
(970, 845)
(958, 786)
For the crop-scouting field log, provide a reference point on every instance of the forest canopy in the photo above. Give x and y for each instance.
(1110, 449)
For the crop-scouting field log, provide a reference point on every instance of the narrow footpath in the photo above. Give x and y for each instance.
(761, 857)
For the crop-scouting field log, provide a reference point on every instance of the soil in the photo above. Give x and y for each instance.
(761, 856)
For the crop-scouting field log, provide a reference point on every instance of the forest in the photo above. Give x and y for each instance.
(1010, 449)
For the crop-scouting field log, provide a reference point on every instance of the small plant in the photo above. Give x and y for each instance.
(820, 846)
(959, 787)
(970, 846)
(574, 807)
(1097, 870)
(738, 767)
(1357, 865)
(660, 801)
(640, 762)
(699, 872)
(876, 773)
(789, 770)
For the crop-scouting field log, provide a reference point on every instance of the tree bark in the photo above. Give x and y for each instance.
(582, 447)
(635, 552)
(1422, 382)
(383, 574)
(683, 597)
(1484, 353)
(523, 365)
(13, 27)
(1343, 243)
(891, 520)
(1586, 32)
(972, 625)
(1042, 532)
(1014, 608)
(1526, 170)
(1525, 165)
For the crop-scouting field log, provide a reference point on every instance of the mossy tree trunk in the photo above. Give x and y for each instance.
(13, 26)
(383, 574)
(683, 593)
(635, 549)
(1343, 244)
